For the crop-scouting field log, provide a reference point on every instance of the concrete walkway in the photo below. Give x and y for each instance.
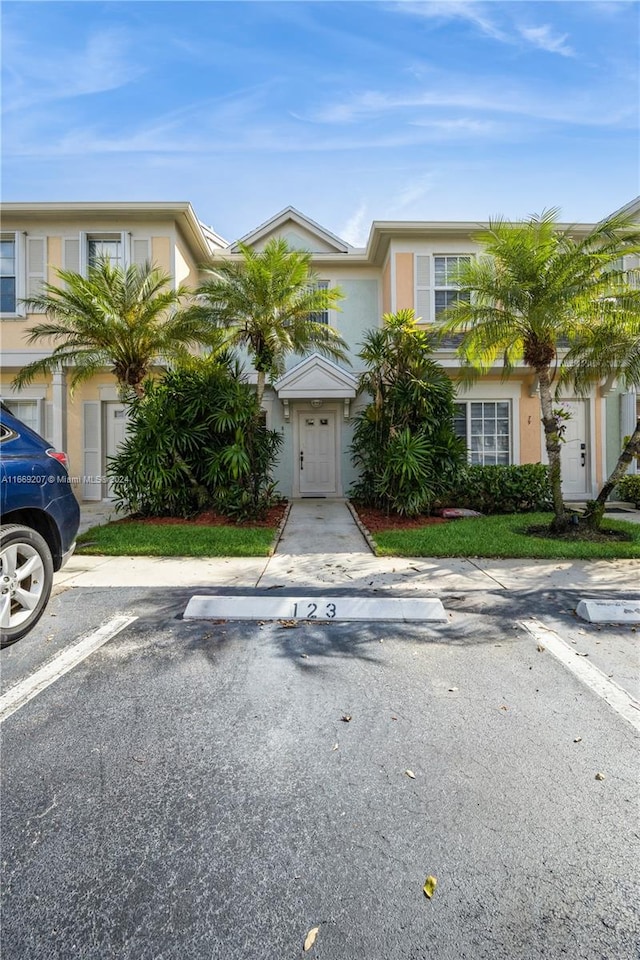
(321, 546)
(321, 527)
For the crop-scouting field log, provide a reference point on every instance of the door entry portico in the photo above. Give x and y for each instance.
(316, 456)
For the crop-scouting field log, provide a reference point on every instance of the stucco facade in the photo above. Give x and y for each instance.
(404, 265)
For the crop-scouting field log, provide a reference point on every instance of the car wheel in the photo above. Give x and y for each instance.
(26, 577)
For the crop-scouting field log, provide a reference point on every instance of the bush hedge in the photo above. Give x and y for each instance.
(629, 488)
(503, 489)
(196, 439)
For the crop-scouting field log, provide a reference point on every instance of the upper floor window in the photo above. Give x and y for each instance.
(446, 291)
(321, 316)
(100, 247)
(84, 250)
(8, 302)
(436, 283)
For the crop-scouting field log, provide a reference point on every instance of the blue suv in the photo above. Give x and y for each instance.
(39, 522)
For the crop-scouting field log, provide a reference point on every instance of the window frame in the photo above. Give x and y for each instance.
(104, 236)
(425, 286)
(13, 236)
(322, 316)
(448, 287)
(478, 458)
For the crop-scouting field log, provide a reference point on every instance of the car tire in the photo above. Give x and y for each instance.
(26, 578)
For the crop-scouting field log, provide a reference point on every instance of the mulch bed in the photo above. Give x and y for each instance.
(376, 520)
(209, 518)
(580, 533)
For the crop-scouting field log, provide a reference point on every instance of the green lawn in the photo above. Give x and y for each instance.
(502, 536)
(175, 540)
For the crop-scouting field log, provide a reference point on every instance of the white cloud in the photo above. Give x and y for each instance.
(57, 74)
(411, 194)
(468, 10)
(544, 38)
(477, 14)
(356, 227)
(573, 108)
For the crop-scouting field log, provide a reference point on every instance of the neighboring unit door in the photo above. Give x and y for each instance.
(574, 451)
(116, 431)
(317, 454)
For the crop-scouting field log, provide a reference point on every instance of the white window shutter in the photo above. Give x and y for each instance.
(125, 246)
(83, 258)
(141, 251)
(36, 265)
(71, 254)
(92, 486)
(48, 422)
(423, 287)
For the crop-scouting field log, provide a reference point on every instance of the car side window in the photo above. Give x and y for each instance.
(6, 433)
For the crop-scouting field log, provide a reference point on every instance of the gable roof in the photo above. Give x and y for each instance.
(316, 376)
(290, 214)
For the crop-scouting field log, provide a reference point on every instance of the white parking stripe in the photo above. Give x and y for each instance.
(29, 688)
(617, 698)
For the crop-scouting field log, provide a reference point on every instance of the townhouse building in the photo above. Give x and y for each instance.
(405, 264)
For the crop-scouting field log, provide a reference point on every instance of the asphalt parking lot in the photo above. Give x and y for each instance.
(191, 789)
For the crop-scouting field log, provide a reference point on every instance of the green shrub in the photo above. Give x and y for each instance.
(504, 489)
(404, 443)
(196, 439)
(629, 488)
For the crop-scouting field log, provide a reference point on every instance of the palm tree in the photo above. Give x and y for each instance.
(125, 319)
(404, 442)
(531, 292)
(269, 302)
(607, 351)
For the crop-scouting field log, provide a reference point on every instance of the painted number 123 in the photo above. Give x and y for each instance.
(313, 611)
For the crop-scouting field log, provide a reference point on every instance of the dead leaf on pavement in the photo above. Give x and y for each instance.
(540, 648)
(346, 717)
(311, 938)
(335, 746)
(429, 888)
(599, 776)
(411, 774)
(452, 689)
(305, 656)
(577, 739)
(578, 654)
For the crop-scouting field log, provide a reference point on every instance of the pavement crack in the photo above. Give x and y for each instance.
(486, 573)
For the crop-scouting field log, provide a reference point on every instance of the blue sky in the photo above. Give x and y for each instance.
(350, 111)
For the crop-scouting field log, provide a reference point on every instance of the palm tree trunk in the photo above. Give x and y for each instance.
(552, 441)
(595, 510)
(202, 495)
(260, 385)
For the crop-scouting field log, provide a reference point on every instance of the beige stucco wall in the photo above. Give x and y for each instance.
(386, 287)
(405, 285)
(530, 436)
(161, 253)
(54, 258)
(598, 416)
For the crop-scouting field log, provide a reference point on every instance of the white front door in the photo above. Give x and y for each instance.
(574, 450)
(317, 454)
(116, 431)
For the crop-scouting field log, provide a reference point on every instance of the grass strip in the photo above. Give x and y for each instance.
(504, 536)
(175, 540)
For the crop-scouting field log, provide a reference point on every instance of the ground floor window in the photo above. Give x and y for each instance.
(27, 411)
(485, 426)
